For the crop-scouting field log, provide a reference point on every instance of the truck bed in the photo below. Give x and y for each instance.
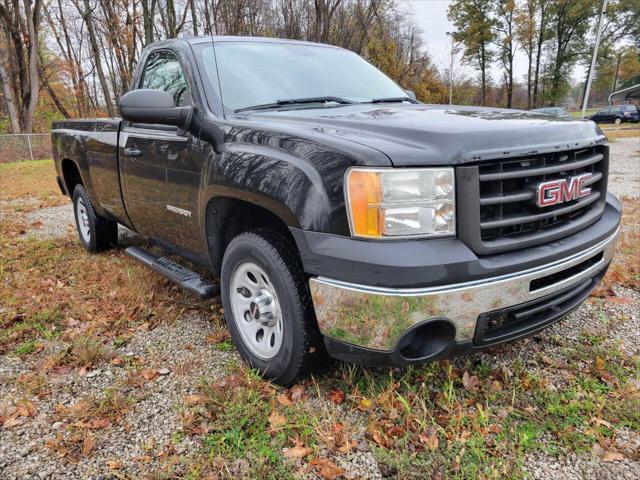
(93, 145)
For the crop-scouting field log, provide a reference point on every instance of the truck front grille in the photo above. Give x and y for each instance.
(498, 209)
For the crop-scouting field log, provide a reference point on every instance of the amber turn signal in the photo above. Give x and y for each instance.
(364, 194)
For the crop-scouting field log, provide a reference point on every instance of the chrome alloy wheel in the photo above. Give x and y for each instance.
(256, 310)
(83, 220)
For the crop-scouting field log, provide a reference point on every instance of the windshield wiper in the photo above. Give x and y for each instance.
(294, 101)
(392, 100)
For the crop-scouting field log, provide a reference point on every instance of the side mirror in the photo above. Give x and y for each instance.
(153, 106)
(410, 94)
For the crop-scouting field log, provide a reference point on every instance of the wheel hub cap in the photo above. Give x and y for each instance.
(83, 220)
(256, 310)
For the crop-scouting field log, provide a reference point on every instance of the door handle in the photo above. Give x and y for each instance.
(132, 152)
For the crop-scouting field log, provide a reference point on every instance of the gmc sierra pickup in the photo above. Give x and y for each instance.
(337, 213)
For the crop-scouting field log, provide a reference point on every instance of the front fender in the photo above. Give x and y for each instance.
(304, 191)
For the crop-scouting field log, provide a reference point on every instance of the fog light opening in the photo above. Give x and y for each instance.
(427, 340)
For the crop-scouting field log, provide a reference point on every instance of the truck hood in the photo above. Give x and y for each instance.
(415, 135)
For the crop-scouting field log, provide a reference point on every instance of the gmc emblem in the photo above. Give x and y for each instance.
(554, 192)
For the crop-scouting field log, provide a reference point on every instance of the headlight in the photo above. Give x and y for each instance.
(392, 203)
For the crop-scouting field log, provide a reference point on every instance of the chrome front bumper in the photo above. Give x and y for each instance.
(376, 318)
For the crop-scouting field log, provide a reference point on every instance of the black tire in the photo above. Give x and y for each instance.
(302, 347)
(102, 232)
(618, 121)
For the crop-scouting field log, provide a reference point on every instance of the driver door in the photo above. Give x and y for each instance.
(161, 165)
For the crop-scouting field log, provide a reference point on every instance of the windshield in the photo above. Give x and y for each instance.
(253, 73)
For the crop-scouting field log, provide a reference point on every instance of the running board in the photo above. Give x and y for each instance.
(187, 279)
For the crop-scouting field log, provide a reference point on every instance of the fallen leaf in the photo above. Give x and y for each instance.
(88, 444)
(218, 337)
(26, 408)
(13, 422)
(470, 382)
(99, 423)
(336, 396)
(603, 291)
(464, 436)
(297, 452)
(282, 399)
(611, 456)
(277, 420)
(624, 300)
(191, 400)
(327, 469)
(149, 375)
(117, 361)
(599, 421)
(297, 392)
(378, 435)
(495, 428)
(114, 464)
(429, 439)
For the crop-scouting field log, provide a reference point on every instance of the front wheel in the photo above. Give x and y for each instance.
(617, 121)
(96, 233)
(268, 308)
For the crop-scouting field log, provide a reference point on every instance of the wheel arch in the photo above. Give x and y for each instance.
(71, 175)
(228, 216)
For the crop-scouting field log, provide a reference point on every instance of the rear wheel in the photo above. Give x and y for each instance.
(268, 308)
(617, 121)
(96, 233)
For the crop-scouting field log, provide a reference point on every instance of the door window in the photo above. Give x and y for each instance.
(163, 72)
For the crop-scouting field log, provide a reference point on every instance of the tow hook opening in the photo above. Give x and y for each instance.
(427, 340)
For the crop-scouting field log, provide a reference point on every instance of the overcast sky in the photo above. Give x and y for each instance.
(431, 17)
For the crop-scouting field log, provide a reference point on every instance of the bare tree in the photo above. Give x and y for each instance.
(542, 33)
(526, 31)
(507, 44)
(86, 11)
(21, 27)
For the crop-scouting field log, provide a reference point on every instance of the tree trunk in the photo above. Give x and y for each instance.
(192, 7)
(483, 77)
(8, 95)
(615, 76)
(536, 79)
(55, 99)
(148, 13)
(33, 23)
(510, 84)
(88, 17)
(529, 83)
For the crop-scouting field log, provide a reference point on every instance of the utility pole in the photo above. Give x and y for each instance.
(451, 67)
(592, 68)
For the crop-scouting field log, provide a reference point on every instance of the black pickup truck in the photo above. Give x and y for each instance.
(337, 214)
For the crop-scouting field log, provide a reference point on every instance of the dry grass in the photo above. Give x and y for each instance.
(53, 288)
(32, 179)
(627, 130)
(625, 268)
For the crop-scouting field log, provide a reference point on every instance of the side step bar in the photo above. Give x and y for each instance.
(187, 279)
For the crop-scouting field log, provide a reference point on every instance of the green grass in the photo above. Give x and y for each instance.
(25, 348)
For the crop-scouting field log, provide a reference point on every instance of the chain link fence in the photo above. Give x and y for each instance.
(23, 146)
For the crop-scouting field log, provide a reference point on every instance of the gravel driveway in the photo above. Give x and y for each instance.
(181, 356)
(624, 170)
